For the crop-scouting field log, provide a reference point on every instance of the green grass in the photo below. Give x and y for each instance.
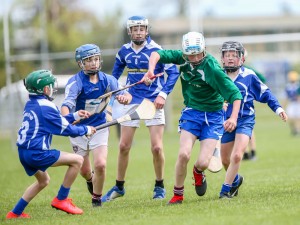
(269, 195)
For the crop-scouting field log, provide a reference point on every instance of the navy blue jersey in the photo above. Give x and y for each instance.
(80, 93)
(137, 65)
(252, 89)
(42, 119)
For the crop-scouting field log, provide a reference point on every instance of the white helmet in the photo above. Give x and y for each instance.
(137, 21)
(193, 43)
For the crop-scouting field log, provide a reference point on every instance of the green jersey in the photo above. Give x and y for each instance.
(204, 86)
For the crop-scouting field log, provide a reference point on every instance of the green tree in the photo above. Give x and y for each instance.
(68, 25)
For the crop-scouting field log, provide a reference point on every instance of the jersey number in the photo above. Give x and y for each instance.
(23, 131)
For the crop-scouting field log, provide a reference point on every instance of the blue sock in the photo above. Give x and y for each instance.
(236, 180)
(225, 188)
(63, 193)
(20, 206)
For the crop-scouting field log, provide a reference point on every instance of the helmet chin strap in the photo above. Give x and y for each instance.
(138, 42)
(231, 69)
(91, 72)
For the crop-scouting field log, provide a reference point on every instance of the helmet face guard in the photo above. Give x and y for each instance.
(84, 52)
(137, 21)
(236, 47)
(37, 80)
(193, 43)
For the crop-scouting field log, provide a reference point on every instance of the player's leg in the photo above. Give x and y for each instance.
(207, 149)
(187, 141)
(156, 136)
(61, 201)
(232, 178)
(43, 180)
(209, 132)
(127, 134)
(100, 158)
(79, 145)
(252, 145)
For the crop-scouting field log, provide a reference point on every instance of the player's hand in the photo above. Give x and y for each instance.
(159, 102)
(146, 78)
(284, 116)
(230, 125)
(123, 99)
(91, 131)
(83, 114)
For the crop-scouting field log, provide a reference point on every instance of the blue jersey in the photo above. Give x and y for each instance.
(137, 65)
(42, 119)
(80, 93)
(252, 89)
(291, 91)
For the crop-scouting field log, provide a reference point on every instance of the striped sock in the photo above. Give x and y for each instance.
(178, 191)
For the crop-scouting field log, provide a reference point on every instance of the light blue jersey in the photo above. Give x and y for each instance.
(252, 89)
(80, 93)
(42, 119)
(137, 65)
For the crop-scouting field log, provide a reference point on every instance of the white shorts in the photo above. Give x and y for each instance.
(293, 110)
(121, 110)
(82, 145)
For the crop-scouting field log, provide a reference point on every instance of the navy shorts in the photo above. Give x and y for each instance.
(204, 125)
(245, 126)
(34, 160)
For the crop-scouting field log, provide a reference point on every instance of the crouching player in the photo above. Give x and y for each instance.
(41, 119)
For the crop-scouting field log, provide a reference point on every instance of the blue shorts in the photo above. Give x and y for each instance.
(34, 160)
(245, 126)
(204, 125)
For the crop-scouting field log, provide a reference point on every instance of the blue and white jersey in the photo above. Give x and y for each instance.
(80, 93)
(137, 65)
(291, 91)
(42, 119)
(252, 89)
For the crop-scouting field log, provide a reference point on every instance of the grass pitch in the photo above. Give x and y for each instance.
(270, 193)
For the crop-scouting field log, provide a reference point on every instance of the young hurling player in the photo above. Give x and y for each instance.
(81, 92)
(42, 119)
(234, 144)
(135, 55)
(204, 88)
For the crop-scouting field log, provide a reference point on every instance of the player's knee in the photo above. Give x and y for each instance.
(184, 157)
(124, 148)
(78, 161)
(236, 157)
(157, 150)
(44, 183)
(100, 167)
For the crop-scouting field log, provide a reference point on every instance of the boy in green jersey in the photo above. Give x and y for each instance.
(205, 87)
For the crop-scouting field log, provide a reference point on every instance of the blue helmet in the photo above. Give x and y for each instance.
(86, 51)
(137, 21)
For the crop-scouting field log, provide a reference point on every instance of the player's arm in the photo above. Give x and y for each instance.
(154, 58)
(119, 66)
